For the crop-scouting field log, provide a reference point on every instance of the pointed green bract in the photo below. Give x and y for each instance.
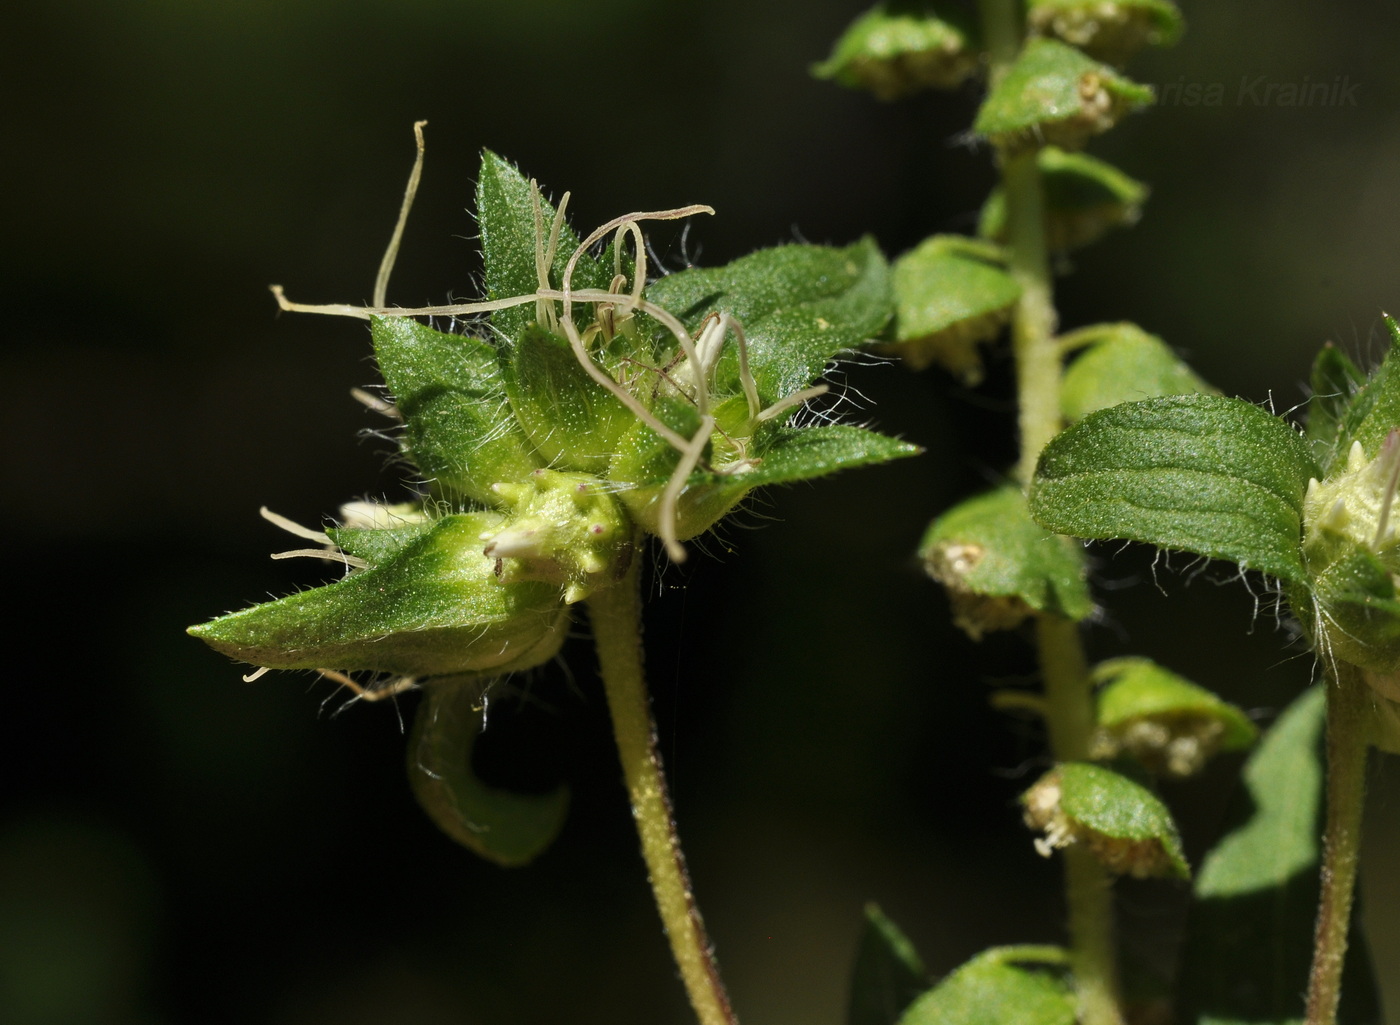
(505, 213)
(888, 973)
(458, 428)
(1085, 198)
(434, 607)
(1200, 473)
(1167, 723)
(799, 305)
(1000, 987)
(573, 421)
(1335, 381)
(1256, 892)
(999, 566)
(1124, 364)
(901, 47)
(1055, 95)
(507, 828)
(950, 294)
(1120, 821)
(376, 545)
(1375, 409)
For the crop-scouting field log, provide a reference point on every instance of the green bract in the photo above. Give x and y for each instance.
(902, 46)
(1001, 986)
(1125, 826)
(1109, 30)
(1054, 94)
(1085, 198)
(429, 605)
(1122, 363)
(1167, 723)
(588, 405)
(950, 294)
(999, 566)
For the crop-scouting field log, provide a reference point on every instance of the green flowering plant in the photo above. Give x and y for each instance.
(1121, 439)
(575, 410)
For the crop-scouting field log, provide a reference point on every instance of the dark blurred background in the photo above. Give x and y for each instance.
(177, 846)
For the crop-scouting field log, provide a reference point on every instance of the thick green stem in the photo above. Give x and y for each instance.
(1088, 887)
(616, 613)
(1069, 708)
(1349, 701)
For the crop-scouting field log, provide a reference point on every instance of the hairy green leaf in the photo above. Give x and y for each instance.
(434, 607)
(1375, 410)
(574, 422)
(1124, 364)
(507, 828)
(1250, 934)
(999, 987)
(1200, 473)
(1054, 94)
(888, 973)
(510, 234)
(799, 305)
(1335, 382)
(458, 428)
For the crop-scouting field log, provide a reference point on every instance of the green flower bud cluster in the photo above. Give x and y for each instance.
(583, 408)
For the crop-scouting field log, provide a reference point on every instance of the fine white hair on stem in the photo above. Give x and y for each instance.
(386, 265)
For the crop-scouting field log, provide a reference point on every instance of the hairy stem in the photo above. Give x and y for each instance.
(1348, 738)
(615, 613)
(1069, 709)
(1088, 887)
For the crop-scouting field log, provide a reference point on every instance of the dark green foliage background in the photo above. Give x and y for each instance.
(176, 846)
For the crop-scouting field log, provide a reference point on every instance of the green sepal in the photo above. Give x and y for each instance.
(1107, 30)
(1001, 986)
(1375, 410)
(376, 545)
(1055, 95)
(888, 973)
(1167, 723)
(999, 566)
(901, 47)
(573, 421)
(1249, 939)
(1215, 476)
(1124, 363)
(800, 306)
(1085, 199)
(433, 608)
(505, 213)
(458, 428)
(508, 828)
(950, 293)
(1335, 381)
(1120, 821)
(1358, 612)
